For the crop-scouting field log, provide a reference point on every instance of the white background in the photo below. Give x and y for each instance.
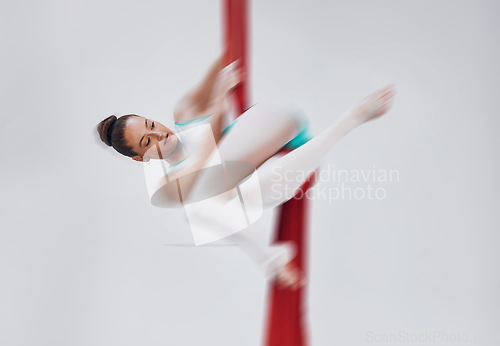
(83, 259)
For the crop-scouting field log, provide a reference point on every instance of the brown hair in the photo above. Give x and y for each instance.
(112, 133)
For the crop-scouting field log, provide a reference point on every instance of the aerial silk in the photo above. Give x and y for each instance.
(286, 323)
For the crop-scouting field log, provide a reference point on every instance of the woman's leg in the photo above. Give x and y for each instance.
(281, 177)
(261, 132)
(257, 135)
(264, 129)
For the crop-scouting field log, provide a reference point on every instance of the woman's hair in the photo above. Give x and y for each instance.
(112, 133)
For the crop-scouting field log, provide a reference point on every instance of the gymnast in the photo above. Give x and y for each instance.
(255, 138)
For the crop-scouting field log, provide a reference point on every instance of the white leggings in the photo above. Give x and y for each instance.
(256, 137)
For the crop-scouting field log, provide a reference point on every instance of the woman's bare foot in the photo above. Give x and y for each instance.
(375, 105)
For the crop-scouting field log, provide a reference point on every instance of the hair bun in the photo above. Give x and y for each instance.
(105, 127)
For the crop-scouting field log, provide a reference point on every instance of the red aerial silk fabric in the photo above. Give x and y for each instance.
(287, 323)
(236, 46)
(286, 313)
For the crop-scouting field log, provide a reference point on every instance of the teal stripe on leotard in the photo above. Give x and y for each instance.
(302, 137)
(200, 119)
(228, 127)
(193, 121)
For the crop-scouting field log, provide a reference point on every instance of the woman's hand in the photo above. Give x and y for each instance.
(227, 79)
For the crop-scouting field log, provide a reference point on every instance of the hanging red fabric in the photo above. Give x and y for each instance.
(286, 323)
(236, 46)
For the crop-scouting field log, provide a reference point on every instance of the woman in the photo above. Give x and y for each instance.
(255, 138)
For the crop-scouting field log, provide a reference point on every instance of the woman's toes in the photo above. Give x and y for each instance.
(388, 94)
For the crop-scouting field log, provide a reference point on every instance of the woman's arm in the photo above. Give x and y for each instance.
(224, 83)
(198, 100)
(227, 79)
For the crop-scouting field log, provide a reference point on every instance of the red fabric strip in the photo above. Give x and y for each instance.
(286, 319)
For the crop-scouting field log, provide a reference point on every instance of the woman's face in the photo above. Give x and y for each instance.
(149, 138)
